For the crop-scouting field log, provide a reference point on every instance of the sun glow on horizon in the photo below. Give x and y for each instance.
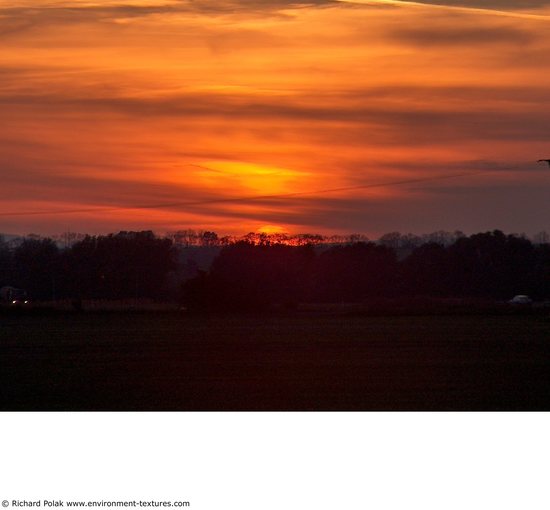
(272, 229)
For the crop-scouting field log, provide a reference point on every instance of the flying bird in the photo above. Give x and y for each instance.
(545, 160)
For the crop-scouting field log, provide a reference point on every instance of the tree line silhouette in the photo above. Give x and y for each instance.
(255, 274)
(487, 265)
(116, 266)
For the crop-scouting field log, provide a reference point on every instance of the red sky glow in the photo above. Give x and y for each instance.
(239, 115)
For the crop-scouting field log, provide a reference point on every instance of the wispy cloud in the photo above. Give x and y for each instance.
(487, 4)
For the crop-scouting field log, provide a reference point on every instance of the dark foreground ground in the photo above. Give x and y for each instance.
(171, 361)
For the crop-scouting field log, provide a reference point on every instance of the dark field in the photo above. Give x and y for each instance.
(170, 361)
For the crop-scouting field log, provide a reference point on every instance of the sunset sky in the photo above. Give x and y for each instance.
(242, 115)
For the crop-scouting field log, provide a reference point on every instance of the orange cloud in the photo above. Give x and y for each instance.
(234, 115)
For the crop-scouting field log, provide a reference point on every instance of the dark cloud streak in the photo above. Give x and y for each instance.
(250, 198)
(415, 122)
(451, 36)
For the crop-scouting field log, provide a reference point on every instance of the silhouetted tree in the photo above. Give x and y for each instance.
(355, 272)
(247, 276)
(491, 264)
(6, 264)
(425, 272)
(401, 244)
(37, 268)
(125, 265)
(209, 238)
(541, 272)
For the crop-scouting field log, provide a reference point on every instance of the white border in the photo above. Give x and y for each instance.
(265, 461)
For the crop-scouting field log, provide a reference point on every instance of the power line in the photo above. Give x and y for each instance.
(164, 205)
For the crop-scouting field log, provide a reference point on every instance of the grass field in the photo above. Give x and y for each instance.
(173, 361)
